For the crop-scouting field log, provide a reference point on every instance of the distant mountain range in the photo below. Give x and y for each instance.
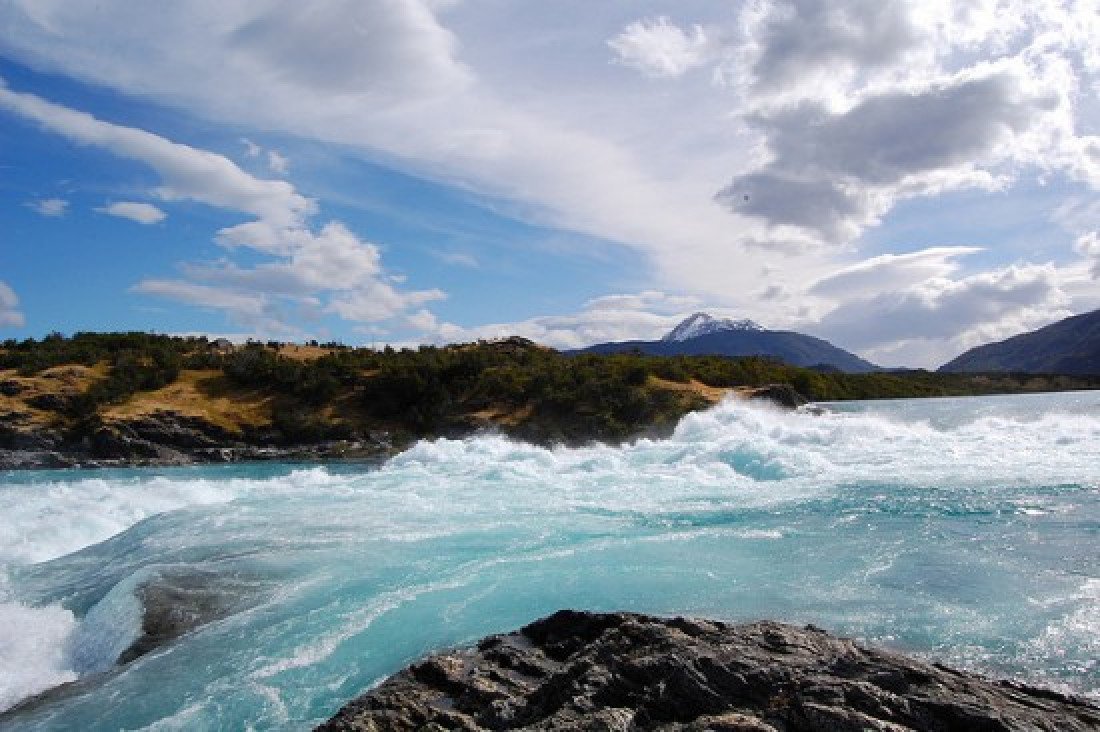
(702, 334)
(1070, 346)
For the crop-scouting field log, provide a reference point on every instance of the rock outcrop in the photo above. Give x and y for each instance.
(783, 395)
(583, 671)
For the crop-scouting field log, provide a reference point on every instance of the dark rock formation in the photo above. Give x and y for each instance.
(582, 671)
(167, 438)
(784, 395)
(175, 604)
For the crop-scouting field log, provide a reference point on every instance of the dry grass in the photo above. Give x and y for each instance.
(506, 416)
(303, 353)
(205, 394)
(713, 394)
(64, 381)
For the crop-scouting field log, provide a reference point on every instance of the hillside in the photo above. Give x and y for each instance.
(1070, 346)
(138, 398)
(701, 335)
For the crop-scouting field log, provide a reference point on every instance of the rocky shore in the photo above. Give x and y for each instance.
(165, 438)
(622, 671)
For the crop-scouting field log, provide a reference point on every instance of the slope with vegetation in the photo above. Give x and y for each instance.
(1070, 346)
(139, 397)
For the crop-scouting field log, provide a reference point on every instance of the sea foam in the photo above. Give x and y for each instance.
(964, 530)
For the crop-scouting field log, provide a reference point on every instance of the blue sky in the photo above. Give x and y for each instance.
(904, 179)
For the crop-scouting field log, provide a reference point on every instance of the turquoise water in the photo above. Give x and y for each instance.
(964, 530)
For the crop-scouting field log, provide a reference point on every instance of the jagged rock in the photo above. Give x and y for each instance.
(33, 460)
(784, 395)
(585, 671)
(118, 442)
(179, 431)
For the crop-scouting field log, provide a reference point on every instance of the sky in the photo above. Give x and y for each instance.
(904, 179)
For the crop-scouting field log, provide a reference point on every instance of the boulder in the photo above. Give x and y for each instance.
(622, 671)
(784, 395)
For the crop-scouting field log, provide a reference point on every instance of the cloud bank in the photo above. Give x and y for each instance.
(743, 153)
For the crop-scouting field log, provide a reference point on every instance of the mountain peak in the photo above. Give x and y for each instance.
(702, 324)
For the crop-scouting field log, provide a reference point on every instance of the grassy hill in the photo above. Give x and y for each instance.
(134, 396)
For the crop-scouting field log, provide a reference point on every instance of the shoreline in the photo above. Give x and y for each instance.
(190, 442)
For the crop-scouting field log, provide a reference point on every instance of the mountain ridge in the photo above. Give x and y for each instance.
(742, 338)
(1069, 346)
(703, 324)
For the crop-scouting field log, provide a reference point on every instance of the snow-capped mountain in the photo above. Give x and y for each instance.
(703, 324)
(703, 335)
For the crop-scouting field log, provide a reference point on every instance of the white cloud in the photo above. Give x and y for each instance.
(939, 317)
(649, 300)
(1088, 245)
(277, 163)
(142, 213)
(461, 259)
(834, 174)
(332, 262)
(658, 48)
(10, 314)
(796, 45)
(645, 315)
(51, 207)
(389, 81)
(187, 173)
(890, 272)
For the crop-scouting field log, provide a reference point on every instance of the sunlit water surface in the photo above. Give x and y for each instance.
(964, 530)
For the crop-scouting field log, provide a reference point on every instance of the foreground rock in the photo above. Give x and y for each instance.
(582, 671)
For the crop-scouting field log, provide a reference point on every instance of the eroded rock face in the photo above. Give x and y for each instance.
(583, 671)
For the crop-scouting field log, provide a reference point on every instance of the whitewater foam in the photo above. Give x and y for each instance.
(32, 650)
(917, 523)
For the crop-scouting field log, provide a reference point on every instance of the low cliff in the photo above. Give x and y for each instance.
(583, 671)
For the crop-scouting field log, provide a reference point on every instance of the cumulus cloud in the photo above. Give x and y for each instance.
(10, 314)
(142, 213)
(940, 317)
(390, 48)
(50, 207)
(835, 173)
(658, 48)
(1088, 245)
(392, 80)
(795, 43)
(186, 173)
(331, 262)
